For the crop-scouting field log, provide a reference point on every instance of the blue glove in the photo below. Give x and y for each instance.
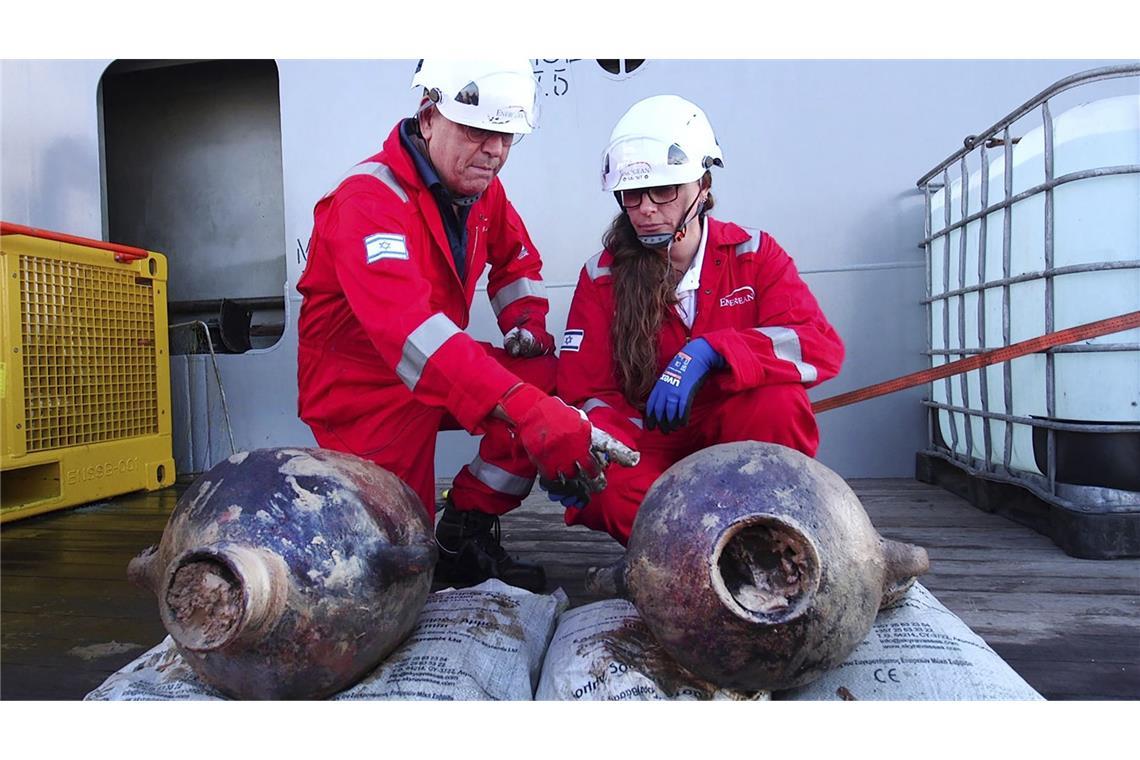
(571, 493)
(672, 395)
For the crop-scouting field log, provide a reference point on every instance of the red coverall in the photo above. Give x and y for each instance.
(383, 358)
(756, 312)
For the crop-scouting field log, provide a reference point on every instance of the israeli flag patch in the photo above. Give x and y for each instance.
(572, 340)
(385, 246)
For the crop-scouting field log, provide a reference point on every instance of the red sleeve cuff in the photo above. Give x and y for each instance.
(742, 369)
(474, 386)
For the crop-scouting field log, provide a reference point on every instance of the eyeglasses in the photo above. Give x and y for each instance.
(480, 136)
(659, 195)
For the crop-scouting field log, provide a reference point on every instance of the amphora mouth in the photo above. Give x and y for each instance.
(765, 569)
(214, 595)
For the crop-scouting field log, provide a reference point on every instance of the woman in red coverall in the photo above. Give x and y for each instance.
(685, 331)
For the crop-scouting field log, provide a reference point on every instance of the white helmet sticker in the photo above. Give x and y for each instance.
(635, 172)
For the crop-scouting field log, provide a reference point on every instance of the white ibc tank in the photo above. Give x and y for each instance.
(1095, 220)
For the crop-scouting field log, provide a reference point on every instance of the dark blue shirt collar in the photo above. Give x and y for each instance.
(423, 166)
(454, 224)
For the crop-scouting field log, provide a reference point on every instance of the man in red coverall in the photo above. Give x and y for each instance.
(396, 251)
(685, 331)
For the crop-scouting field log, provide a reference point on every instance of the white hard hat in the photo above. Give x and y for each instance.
(662, 140)
(501, 96)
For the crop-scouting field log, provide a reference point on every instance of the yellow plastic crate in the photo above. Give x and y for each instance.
(84, 372)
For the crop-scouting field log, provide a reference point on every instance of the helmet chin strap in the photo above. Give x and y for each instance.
(667, 239)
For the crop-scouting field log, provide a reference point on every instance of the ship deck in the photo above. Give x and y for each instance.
(69, 618)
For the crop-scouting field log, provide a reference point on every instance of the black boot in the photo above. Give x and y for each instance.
(470, 552)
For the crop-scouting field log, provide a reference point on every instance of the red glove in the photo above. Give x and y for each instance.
(556, 436)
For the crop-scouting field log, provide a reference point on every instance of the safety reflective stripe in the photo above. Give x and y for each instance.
(498, 479)
(379, 171)
(513, 291)
(594, 403)
(421, 345)
(752, 244)
(786, 345)
(594, 269)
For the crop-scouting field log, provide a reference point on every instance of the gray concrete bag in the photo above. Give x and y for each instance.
(484, 642)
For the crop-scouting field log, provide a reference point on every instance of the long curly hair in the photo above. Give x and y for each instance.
(643, 292)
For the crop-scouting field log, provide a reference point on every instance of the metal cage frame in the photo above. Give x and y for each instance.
(1046, 488)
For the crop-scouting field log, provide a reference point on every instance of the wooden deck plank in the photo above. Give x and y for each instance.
(52, 681)
(1123, 606)
(26, 648)
(109, 555)
(1112, 647)
(80, 629)
(940, 581)
(25, 568)
(1078, 680)
(971, 562)
(1069, 626)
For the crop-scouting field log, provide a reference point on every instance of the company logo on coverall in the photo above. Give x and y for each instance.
(739, 296)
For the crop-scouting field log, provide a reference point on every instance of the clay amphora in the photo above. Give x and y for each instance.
(756, 566)
(290, 573)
